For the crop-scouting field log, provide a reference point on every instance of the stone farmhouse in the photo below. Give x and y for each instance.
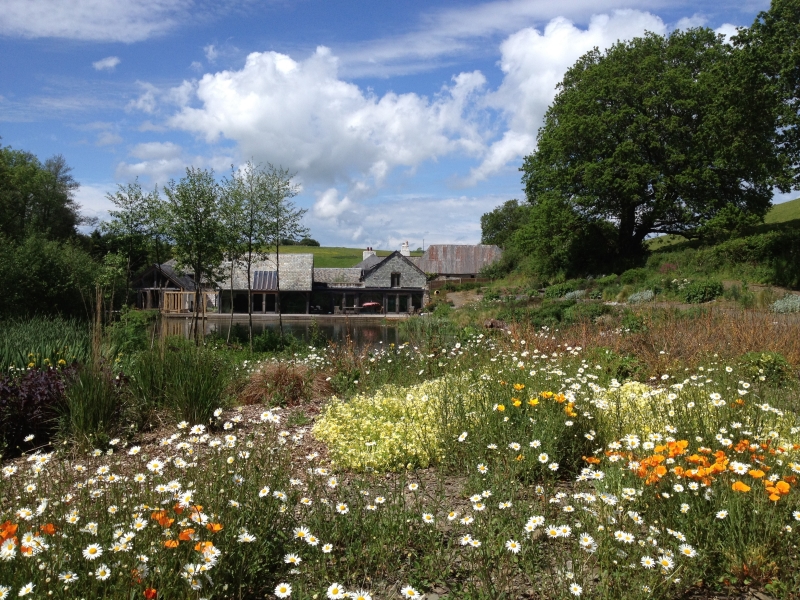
(394, 284)
(377, 285)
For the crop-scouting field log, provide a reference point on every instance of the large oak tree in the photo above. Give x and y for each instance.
(657, 135)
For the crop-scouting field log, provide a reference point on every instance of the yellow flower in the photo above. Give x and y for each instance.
(533, 401)
(519, 386)
(501, 407)
(516, 401)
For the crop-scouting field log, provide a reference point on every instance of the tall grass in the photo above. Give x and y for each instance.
(93, 408)
(190, 382)
(43, 341)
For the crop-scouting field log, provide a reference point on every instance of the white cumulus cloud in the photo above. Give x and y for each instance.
(106, 64)
(302, 115)
(329, 206)
(533, 63)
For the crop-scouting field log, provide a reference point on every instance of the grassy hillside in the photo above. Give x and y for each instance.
(786, 211)
(780, 213)
(334, 257)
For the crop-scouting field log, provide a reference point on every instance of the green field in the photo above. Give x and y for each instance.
(780, 213)
(786, 211)
(334, 257)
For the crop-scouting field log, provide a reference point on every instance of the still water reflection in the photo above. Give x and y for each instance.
(362, 332)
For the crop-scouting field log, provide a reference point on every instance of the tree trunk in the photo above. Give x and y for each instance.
(197, 279)
(278, 286)
(230, 325)
(250, 302)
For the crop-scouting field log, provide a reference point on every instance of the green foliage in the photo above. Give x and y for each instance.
(43, 341)
(632, 132)
(196, 381)
(36, 198)
(769, 367)
(269, 340)
(701, 291)
(555, 241)
(634, 276)
(94, 408)
(40, 277)
(585, 311)
(133, 331)
(499, 225)
(559, 290)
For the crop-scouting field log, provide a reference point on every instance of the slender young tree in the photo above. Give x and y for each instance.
(195, 229)
(128, 221)
(232, 217)
(263, 193)
(285, 221)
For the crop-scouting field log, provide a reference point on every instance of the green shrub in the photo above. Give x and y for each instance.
(607, 280)
(585, 311)
(634, 276)
(770, 367)
(701, 291)
(559, 290)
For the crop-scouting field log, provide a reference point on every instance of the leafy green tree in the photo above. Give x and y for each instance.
(554, 241)
(656, 135)
(257, 190)
(36, 197)
(194, 227)
(128, 222)
(771, 50)
(39, 276)
(499, 225)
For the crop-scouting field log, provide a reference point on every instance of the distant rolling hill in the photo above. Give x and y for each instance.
(785, 211)
(779, 213)
(325, 257)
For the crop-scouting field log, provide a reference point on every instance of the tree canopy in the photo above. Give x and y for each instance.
(657, 135)
(36, 197)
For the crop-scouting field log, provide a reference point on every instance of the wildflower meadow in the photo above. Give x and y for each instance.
(497, 466)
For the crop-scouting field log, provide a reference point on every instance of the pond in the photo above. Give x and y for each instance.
(362, 332)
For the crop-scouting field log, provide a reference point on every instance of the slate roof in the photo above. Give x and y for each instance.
(338, 277)
(295, 272)
(170, 271)
(453, 259)
(370, 262)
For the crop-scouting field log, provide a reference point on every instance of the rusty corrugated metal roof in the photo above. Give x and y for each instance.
(453, 259)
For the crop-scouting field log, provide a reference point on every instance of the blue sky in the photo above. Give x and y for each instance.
(402, 120)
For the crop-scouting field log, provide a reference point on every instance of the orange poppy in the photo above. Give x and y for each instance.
(7, 530)
(48, 528)
(150, 593)
(186, 535)
(757, 473)
(171, 544)
(214, 527)
(738, 486)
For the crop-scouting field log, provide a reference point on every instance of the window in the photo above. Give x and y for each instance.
(395, 279)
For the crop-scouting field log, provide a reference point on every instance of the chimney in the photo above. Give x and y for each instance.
(404, 249)
(367, 253)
